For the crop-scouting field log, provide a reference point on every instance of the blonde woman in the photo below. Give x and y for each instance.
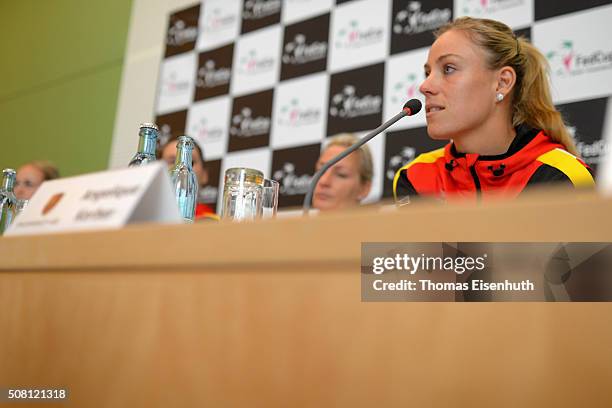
(347, 182)
(487, 92)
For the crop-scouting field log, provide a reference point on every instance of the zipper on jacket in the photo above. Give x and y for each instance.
(476, 180)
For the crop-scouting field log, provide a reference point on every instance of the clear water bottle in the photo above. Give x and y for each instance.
(8, 202)
(147, 143)
(184, 179)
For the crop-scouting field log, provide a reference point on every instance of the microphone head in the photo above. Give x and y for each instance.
(412, 107)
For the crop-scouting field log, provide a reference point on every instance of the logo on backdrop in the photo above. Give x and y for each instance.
(566, 60)
(251, 121)
(405, 88)
(205, 132)
(244, 124)
(355, 100)
(305, 47)
(210, 76)
(402, 147)
(353, 36)
(171, 125)
(348, 104)
(294, 115)
(214, 72)
(293, 169)
(260, 13)
(182, 31)
(291, 183)
(396, 162)
(174, 85)
(413, 22)
(256, 9)
(480, 7)
(252, 64)
(586, 119)
(180, 34)
(298, 51)
(216, 21)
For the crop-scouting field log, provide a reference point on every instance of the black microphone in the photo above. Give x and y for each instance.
(411, 107)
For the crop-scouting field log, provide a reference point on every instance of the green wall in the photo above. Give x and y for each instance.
(60, 70)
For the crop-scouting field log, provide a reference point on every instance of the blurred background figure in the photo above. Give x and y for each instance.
(347, 182)
(31, 175)
(167, 153)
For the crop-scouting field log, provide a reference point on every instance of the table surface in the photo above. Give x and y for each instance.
(269, 314)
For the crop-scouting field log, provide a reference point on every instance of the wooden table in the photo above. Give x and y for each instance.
(269, 314)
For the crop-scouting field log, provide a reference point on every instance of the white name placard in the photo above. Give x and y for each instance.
(104, 200)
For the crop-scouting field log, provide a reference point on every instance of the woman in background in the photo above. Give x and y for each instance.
(347, 182)
(487, 91)
(31, 175)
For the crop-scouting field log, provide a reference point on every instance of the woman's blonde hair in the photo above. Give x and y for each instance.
(365, 156)
(531, 102)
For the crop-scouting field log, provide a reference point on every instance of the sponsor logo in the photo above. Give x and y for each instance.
(244, 125)
(352, 36)
(180, 34)
(479, 7)
(412, 20)
(290, 183)
(203, 131)
(293, 115)
(52, 203)
(209, 76)
(298, 51)
(256, 9)
(404, 89)
(567, 61)
(252, 65)
(217, 21)
(173, 85)
(592, 153)
(406, 155)
(347, 104)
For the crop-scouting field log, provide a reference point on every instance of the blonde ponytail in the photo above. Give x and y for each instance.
(532, 101)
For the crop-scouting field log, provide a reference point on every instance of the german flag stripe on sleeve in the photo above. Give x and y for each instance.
(429, 157)
(569, 165)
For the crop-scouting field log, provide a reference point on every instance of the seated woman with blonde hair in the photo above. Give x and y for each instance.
(347, 182)
(487, 92)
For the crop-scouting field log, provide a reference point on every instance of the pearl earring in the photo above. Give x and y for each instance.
(499, 97)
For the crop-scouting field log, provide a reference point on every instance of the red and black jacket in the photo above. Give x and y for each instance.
(204, 212)
(532, 158)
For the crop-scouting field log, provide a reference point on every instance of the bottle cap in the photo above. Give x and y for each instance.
(148, 125)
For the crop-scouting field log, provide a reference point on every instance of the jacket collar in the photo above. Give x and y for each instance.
(524, 135)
